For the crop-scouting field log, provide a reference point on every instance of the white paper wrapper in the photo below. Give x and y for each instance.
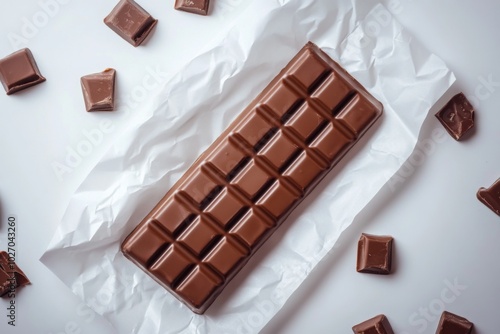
(192, 110)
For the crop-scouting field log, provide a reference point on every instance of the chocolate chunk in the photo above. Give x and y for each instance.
(457, 116)
(99, 90)
(131, 22)
(193, 6)
(491, 196)
(19, 71)
(249, 180)
(374, 254)
(453, 324)
(11, 276)
(375, 325)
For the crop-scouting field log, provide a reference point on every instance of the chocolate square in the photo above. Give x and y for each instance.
(10, 274)
(491, 196)
(457, 116)
(99, 90)
(376, 325)
(132, 22)
(193, 6)
(374, 254)
(453, 324)
(19, 71)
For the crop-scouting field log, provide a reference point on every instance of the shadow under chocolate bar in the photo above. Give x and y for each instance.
(248, 181)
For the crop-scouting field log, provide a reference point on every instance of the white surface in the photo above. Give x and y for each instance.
(442, 232)
(157, 149)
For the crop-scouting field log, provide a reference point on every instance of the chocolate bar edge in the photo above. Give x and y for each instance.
(252, 105)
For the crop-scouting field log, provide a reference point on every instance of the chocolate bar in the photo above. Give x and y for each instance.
(248, 181)
(491, 196)
(457, 116)
(193, 6)
(11, 276)
(375, 325)
(374, 254)
(453, 324)
(19, 71)
(132, 22)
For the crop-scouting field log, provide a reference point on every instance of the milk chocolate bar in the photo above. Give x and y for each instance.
(248, 181)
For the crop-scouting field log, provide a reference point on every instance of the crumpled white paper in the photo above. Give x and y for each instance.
(192, 110)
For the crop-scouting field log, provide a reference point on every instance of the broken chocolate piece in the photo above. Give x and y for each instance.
(453, 324)
(99, 90)
(19, 71)
(131, 22)
(457, 116)
(11, 276)
(376, 325)
(193, 6)
(240, 190)
(491, 196)
(374, 254)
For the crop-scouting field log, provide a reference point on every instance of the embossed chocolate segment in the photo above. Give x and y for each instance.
(146, 242)
(332, 92)
(305, 121)
(357, 114)
(225, 256)
(173, 216)
(224, 208)
(331, 142)
(278, 150)
(304, 170)
(251, 229)
(251, 179)
(199, 286)
(278, 199)
(245, 184)
(227, 157)
(171, 264)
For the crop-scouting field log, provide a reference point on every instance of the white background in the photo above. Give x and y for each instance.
(443, 235)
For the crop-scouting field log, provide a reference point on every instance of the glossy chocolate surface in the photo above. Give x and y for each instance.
(453, 324)
(491, 197)
(9, 270)
(193, 6)
(247, 182)
(131, 22)
(19, 71)
(376, 325)
(457, 116)
(99, 90)
(374, 254)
